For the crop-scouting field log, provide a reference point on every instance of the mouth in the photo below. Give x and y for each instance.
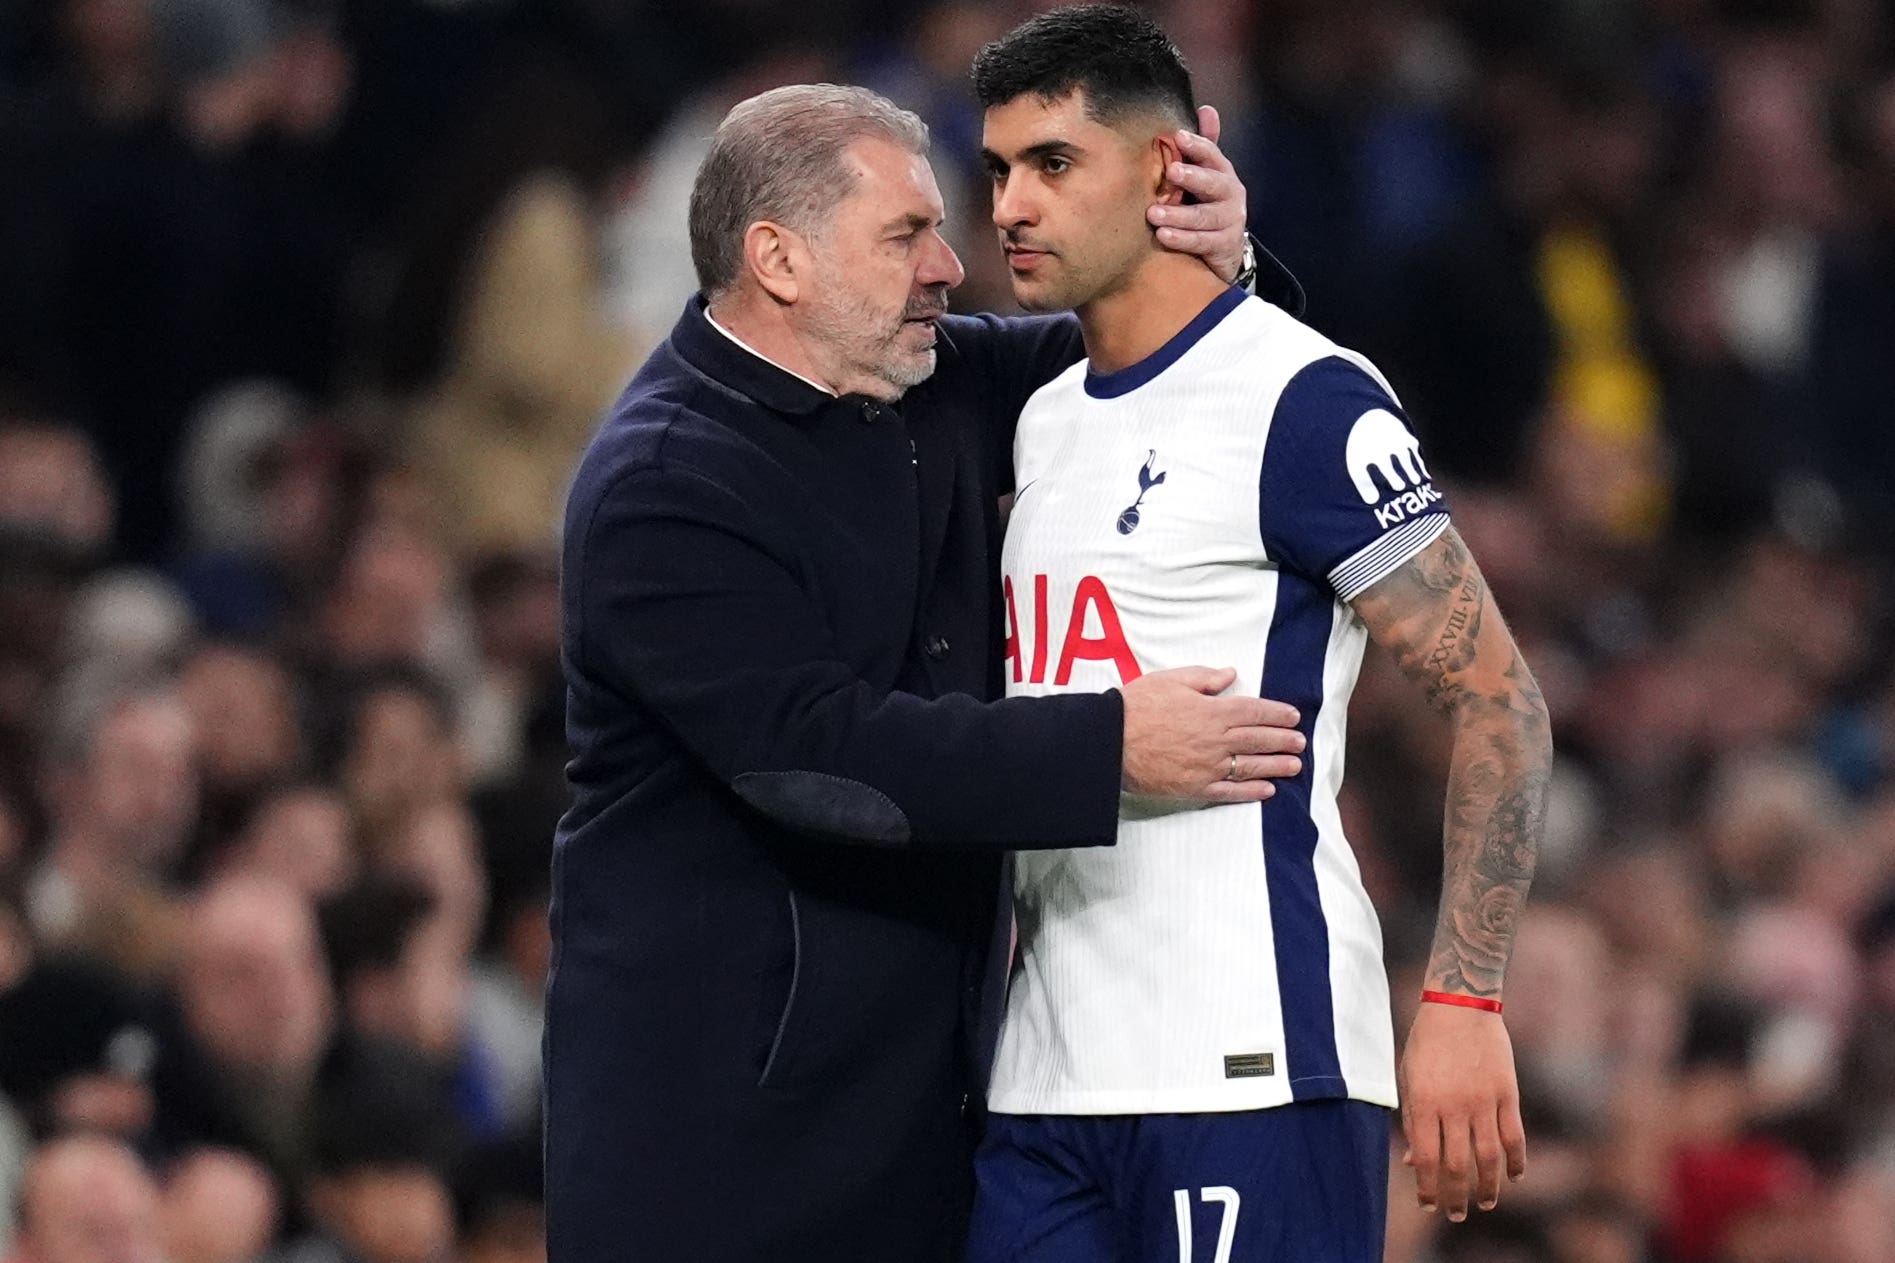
(927, 324)
(1022, 259)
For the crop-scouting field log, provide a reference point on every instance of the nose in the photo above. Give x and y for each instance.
(1012, 207)
(941, 266)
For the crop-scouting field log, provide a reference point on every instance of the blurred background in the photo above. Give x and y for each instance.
(308, 306)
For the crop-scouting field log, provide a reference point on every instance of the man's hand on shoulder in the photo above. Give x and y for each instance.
(1184, 741)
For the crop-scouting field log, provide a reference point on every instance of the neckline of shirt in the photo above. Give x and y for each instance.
(1132, 376)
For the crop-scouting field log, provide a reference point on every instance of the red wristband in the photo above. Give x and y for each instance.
(1465, 1001)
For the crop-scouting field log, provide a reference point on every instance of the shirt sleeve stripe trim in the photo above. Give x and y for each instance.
(1382, 558)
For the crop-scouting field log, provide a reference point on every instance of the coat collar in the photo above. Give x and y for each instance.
(1277, 285)
(712, 353)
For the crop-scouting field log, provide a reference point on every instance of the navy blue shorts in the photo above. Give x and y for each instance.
(1303, 1183)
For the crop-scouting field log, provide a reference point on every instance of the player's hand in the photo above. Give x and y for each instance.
(1213, 227)
(1184, 741)
(1460, 1108)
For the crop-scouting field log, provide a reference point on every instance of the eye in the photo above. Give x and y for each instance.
(1057, 164)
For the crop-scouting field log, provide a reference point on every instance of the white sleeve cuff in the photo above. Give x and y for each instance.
(1369, 566)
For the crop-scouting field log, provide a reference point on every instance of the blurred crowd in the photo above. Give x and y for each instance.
(308, 306)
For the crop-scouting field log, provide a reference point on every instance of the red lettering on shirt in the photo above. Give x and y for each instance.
(1013, 628)
(1110, 645)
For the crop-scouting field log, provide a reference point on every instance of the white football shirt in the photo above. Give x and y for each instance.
(1216, 504)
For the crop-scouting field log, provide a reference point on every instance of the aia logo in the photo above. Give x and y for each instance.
(1128, 520)
(1091, 599)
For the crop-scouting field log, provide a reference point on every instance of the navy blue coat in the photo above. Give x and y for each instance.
(774, 893)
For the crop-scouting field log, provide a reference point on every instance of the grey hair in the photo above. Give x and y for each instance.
(778, 156)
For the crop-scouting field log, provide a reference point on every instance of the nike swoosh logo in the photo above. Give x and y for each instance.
(1022, 489)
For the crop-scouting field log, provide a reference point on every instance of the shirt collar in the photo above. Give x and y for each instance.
(1125, 380)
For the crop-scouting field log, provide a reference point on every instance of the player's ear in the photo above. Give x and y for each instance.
(1164, 152)
(774, 257)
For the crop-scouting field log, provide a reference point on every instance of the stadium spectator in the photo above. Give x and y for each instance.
(383, 1149)
(297, 832)
(50, 481)
(88, 1200)
(507, 1000)
(244, 710)
(255, 1000)
(398, 983)
(389, 602)
(392, 748)
(515, 607)
(217, 1206)
(122, 799)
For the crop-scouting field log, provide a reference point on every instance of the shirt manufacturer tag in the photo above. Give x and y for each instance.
(1250, 1066)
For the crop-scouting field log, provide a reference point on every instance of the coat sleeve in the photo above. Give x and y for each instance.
(687, 606)
(1011, 357)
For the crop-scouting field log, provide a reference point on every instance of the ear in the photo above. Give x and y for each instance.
(1165, 151)
(775, 258)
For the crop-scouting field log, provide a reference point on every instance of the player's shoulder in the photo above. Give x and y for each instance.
(1263, 351)
(1345, 493)
(1335, 411)
(1324, 387)
(1264, 338)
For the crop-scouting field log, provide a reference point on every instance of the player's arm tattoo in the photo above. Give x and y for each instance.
(1436, 615)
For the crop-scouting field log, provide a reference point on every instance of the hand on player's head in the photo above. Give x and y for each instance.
(1211, 224)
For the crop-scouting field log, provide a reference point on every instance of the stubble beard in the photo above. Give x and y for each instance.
(1068, 289)
(851, 327)
(1102, 267)
(905, 370)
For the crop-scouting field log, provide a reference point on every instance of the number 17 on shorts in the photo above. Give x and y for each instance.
(1219, 1195)
(1300, 1183)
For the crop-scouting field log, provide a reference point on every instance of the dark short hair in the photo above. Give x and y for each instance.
(1121, 59)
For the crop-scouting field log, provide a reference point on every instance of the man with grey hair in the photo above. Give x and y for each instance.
(779, 158)
(775, 894)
